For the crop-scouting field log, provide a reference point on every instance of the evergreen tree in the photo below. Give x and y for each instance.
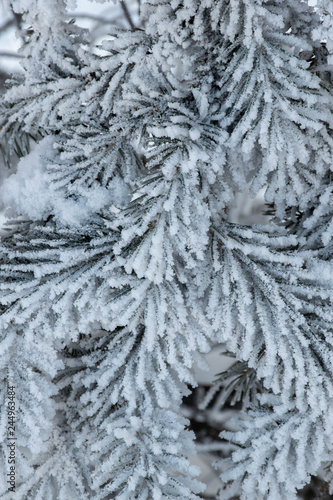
(119, 268)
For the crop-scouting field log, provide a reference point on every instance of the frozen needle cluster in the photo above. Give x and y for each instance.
(119, 267)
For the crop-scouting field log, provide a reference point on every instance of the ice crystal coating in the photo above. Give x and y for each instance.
(119, 268)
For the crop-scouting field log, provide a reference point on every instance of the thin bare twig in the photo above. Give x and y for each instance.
(7, 53)
(127, 14)
(93, 17)
(7, 24)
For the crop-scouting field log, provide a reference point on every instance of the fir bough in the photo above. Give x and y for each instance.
(119, 267)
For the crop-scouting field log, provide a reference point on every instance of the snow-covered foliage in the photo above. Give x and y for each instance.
(279, 447)
(119, 267)
(260, 87)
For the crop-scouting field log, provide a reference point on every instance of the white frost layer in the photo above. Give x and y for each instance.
(30, 192)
